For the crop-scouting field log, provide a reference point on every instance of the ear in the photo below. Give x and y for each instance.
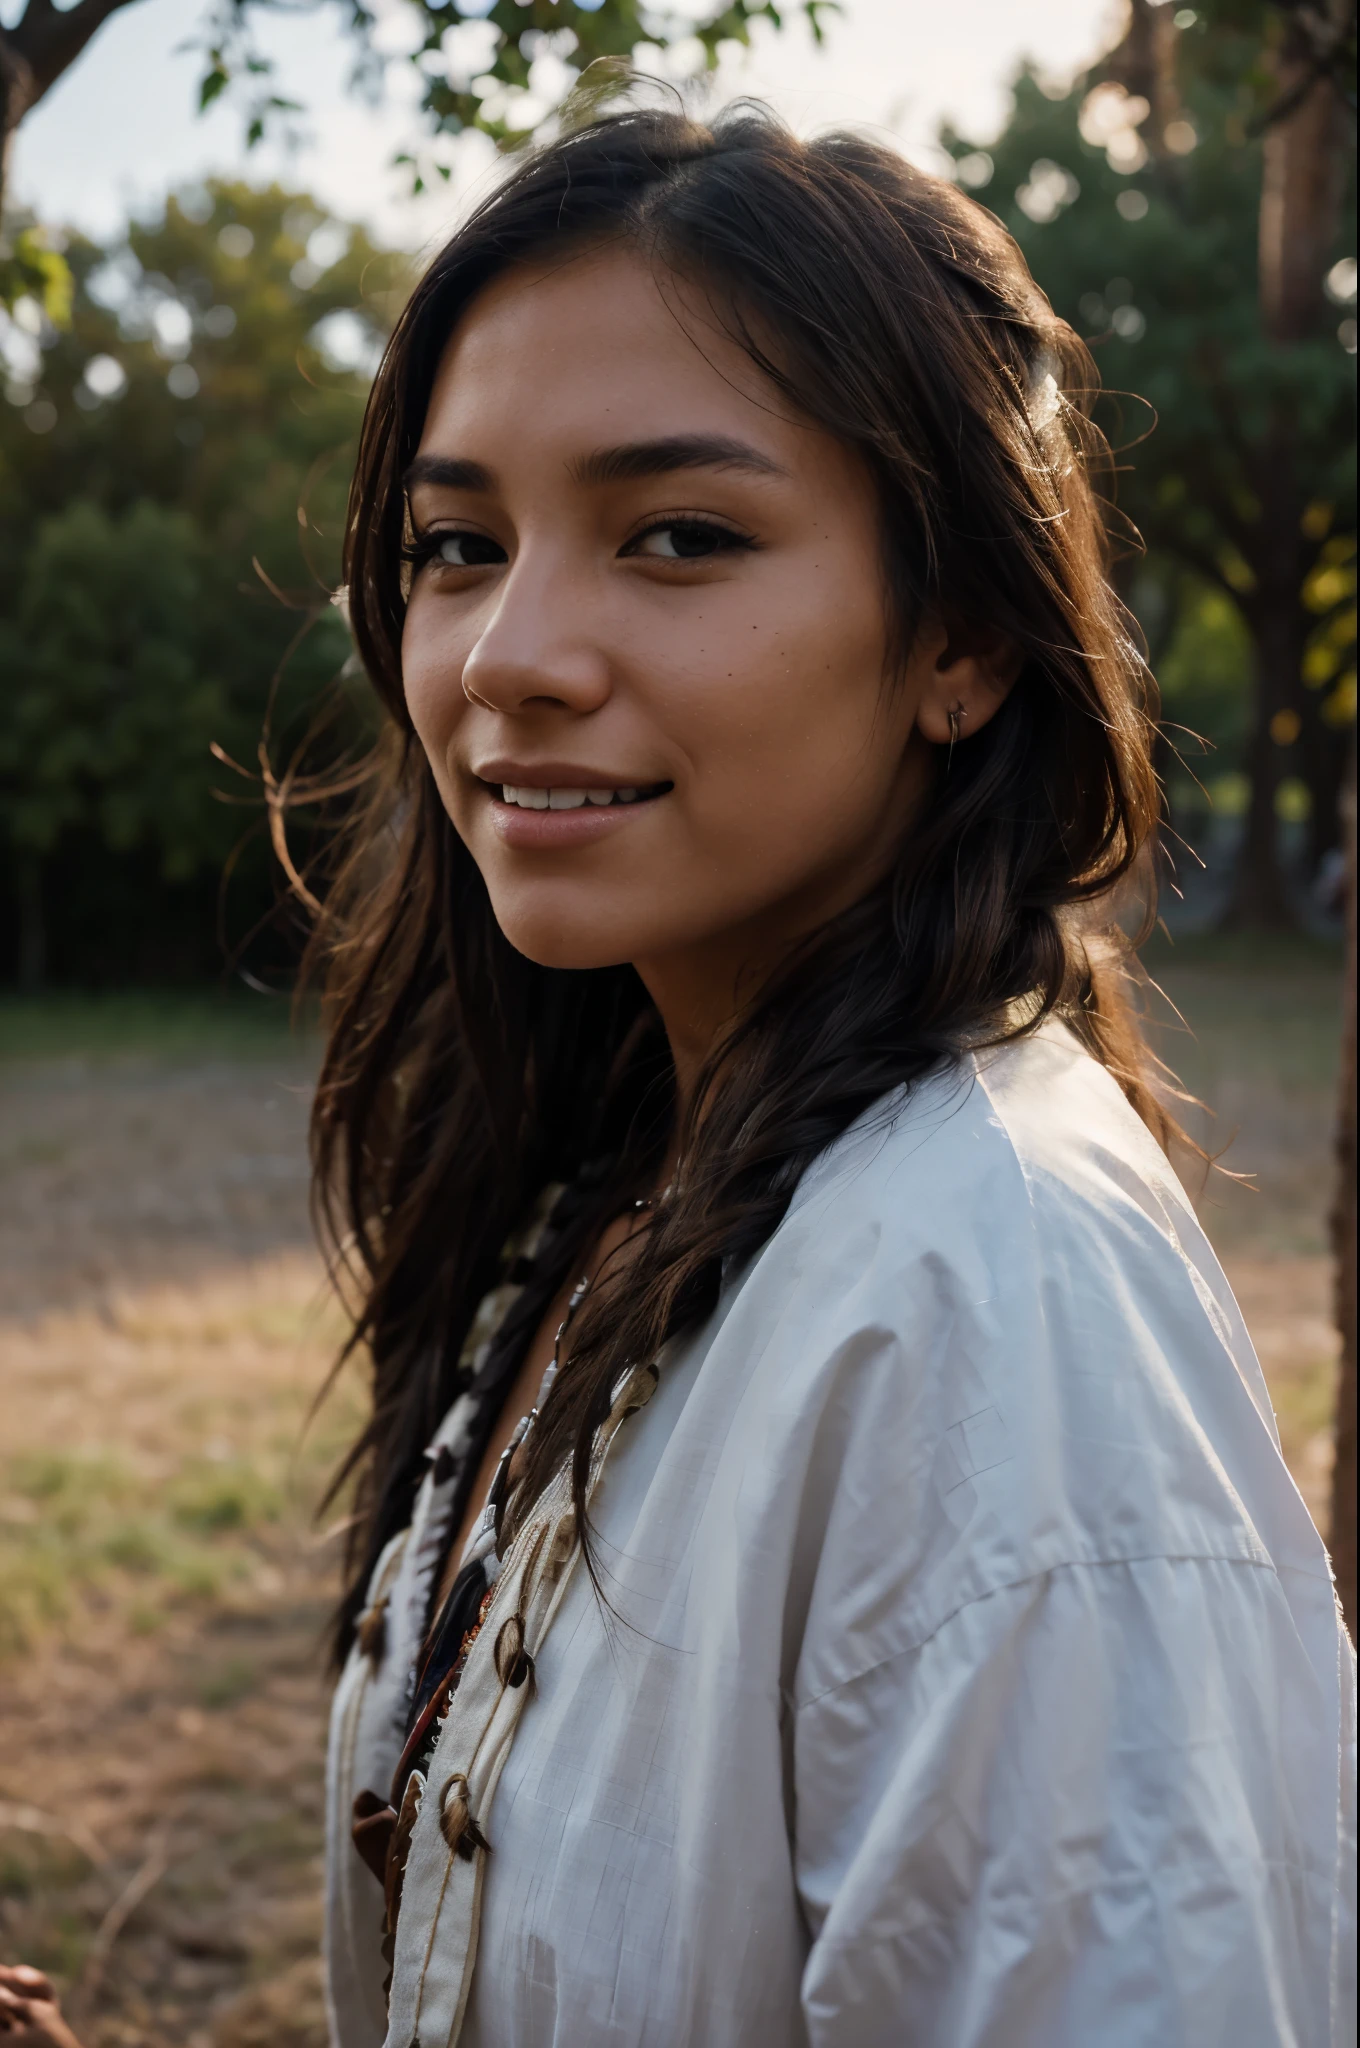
(965, 677)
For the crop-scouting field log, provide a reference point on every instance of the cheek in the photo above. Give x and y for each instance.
(796, 734)
(431, 671)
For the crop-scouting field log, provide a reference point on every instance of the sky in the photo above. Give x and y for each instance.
(122, 127)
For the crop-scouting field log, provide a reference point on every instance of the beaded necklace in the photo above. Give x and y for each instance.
(505, 1320)
(458, 1623)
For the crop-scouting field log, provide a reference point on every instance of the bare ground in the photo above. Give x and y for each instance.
(163, 1329)
(163, 1586)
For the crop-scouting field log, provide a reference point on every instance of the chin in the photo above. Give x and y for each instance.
(575, 945)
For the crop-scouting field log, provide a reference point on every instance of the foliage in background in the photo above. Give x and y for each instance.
(1139, 214)
(172, 475)
(155, 451)
(505, 66)
(502, 66)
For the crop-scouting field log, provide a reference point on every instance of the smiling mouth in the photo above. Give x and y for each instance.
(569, 799)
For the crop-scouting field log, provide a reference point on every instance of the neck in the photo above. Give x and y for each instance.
(700, 992)
(701, 989)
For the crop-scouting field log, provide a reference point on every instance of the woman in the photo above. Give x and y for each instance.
(893, 1622)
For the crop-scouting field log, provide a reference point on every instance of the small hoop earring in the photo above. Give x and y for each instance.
(956, 718)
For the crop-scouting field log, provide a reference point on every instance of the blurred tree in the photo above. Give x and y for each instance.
(111, 699)
(195, 420)
(1200, 648)
(1344, 1218)
(1137, 199)
(504, 66)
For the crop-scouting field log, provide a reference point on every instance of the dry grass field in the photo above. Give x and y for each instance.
(163, 1331)
(1257, 1042)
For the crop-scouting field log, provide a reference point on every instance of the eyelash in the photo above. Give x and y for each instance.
(424, 546)
(692, 522)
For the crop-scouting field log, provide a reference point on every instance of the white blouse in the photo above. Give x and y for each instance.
(968, 1672)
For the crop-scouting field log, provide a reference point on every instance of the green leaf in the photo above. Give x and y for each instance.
(29, 268)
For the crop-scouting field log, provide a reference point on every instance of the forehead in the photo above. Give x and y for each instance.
(601, 347)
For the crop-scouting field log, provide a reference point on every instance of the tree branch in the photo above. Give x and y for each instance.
(1325, 45)
(42, 45)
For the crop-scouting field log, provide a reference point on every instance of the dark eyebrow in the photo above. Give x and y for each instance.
(449, 470)
(676, 451)
(624, 464)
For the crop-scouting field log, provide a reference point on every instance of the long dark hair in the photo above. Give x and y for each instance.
(458, 1076)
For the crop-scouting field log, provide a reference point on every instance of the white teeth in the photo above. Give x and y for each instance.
(564, 799)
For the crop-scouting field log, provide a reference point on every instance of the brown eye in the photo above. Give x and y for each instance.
(686, 540)
(467, 550)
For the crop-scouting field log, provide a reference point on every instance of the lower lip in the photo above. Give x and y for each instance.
(551, 830)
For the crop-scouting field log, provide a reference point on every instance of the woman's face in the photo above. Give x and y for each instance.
(645, 648)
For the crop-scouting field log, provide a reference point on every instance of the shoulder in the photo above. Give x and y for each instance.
(1001, 1148)
(994, 1303)
(1020, 1180)
(1014, 1211)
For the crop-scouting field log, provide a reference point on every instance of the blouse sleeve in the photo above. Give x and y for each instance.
(1056, 1822)
(1064, 1756)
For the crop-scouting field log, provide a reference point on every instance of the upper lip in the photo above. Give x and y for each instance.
(557, 775)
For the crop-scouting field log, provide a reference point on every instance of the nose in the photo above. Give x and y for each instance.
(538, 649)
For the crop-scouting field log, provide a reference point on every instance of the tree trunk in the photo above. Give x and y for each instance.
(1144, 63)
(1343, 1236)
(1279, 627)
(32, 923)
(1259, 899)
(1323, 754)
(1302, 180)
(1302, 175)
(16, 92)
